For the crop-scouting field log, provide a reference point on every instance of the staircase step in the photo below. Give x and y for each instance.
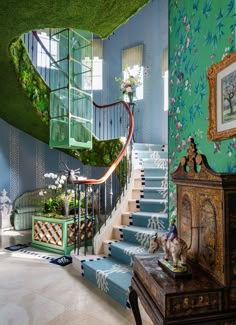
(150, 154)
(153, 171)
(126, 218)
(137, 192)
(124, 251)
(154, 181)
(154, 192)
(150, 220)
(110, 276)
(151, 205)
(136, 235)
(144, 146)
(151, 162)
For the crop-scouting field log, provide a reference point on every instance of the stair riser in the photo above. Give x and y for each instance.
(138, 182)
(143, 147)
(153, 207)
(141, 238)
(126, 219)
(147, 163)
(136, 193)
(154, 194)
(153, 172)
(151, 154)
(135, 237)
(153, 182)
(133, 206)
(126, 256)
(148, 222)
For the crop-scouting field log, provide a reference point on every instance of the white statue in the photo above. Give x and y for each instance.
(5, 204)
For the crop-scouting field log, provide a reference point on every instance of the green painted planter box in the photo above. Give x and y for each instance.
(56, 234)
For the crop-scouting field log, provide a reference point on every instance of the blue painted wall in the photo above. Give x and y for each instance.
(149, 27)
(24, 160)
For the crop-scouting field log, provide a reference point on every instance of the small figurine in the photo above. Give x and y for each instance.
(172, 231)
(171, 245)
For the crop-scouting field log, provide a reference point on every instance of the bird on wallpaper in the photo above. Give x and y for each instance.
(217, 147)
(180, 76)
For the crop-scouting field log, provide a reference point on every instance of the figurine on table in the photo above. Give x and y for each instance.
(172, 230)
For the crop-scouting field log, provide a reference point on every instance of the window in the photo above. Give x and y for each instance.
(132, 64)
(96, 63)
(43, 59)
(95, 82)
(165, 78)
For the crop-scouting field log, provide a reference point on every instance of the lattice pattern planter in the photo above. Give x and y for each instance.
(58, 235)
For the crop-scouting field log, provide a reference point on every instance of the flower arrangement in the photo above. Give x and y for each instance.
(129, 84)
(60, 200)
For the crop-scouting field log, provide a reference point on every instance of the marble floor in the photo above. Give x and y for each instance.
(36, 292)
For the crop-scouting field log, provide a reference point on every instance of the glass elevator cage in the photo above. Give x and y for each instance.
(71, 105)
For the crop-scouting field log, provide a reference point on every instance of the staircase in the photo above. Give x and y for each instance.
(146, 214)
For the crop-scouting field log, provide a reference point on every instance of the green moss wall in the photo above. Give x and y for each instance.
(201, 33)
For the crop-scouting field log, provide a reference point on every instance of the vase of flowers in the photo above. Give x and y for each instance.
(60, 200)
(129, 84)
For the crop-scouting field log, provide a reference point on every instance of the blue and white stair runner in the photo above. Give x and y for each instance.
(147, 215)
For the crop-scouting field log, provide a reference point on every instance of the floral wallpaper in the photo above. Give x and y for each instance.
(201, 33)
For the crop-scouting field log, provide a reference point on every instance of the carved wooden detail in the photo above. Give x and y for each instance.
(207, 235)
(208, 198)
(186, 219)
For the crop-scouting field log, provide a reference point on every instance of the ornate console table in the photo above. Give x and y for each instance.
(199, 300)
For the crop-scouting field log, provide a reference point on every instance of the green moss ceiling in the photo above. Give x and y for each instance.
(19, 16)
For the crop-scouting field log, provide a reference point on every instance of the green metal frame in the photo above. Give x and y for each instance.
(71, 104)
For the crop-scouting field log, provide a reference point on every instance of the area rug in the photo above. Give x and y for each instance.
(26, 249)
(16, 247)
(62, 261)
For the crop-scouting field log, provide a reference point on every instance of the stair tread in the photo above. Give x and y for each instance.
(153, 200)
(151, 168)
(125, 244)
(150, 214)
(136, 228)
(154, 177)
(111, 267)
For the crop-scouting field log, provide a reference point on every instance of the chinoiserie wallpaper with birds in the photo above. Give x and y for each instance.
(201, 33)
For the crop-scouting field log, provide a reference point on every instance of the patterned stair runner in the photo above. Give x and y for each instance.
(146, 216)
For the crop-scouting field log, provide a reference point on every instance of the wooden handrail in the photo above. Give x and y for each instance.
(111, 169)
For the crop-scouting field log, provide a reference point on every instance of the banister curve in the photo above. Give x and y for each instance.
(110, 170)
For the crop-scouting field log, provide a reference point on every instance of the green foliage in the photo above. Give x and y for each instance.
(103, 153)
(30, 80)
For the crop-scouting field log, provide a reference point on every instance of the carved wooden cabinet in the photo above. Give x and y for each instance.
(206, 217)
(206, 205)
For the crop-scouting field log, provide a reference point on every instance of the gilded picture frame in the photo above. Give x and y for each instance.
(221, 78)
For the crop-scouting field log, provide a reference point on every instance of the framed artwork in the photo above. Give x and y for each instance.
(222, 98)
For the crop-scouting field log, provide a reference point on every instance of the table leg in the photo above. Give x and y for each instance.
(133, 299)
